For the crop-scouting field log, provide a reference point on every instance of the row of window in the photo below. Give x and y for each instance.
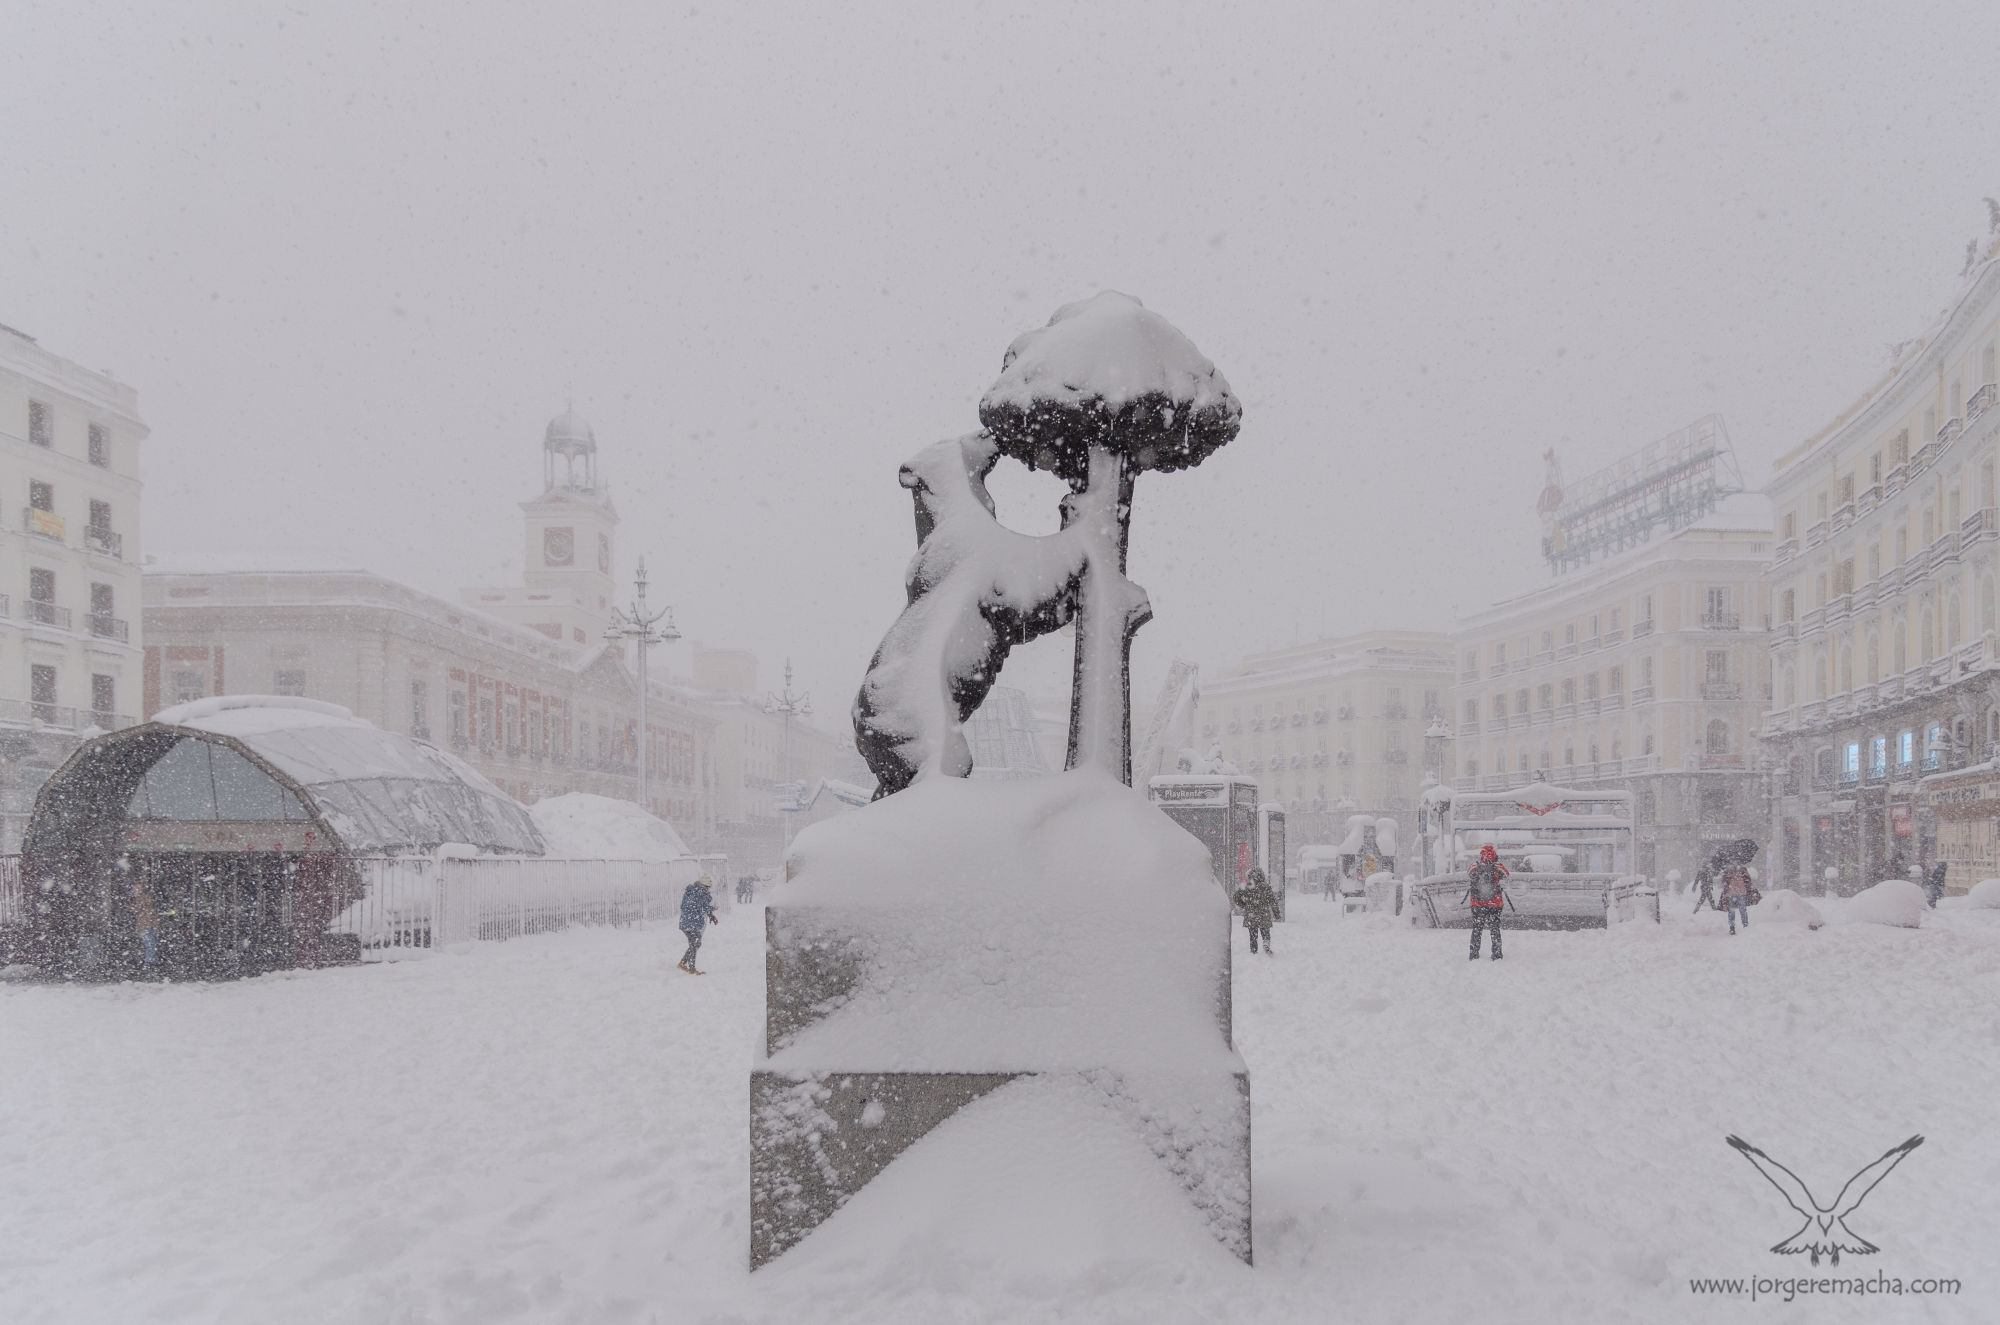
(1895, 450)
(42, 609)
(42, 432)
(1878, 749)
(45, 697)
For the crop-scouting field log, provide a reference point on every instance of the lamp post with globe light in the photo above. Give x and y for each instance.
(643, 627)
(791, 706)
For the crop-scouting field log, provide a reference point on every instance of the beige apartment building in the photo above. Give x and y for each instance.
(1643, 672)
(1883, 592)
(1334, 727)
(69, 564)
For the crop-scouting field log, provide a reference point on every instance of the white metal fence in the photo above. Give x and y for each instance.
(13, 902)
(414, 902)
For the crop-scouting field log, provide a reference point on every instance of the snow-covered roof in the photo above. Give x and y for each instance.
(376, 790)
(580, 826)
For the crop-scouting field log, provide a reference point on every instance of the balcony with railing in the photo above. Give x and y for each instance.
(30, 713)
(105, 626)
(1612, 702)
(1949, 432)
(1925, 457)
(1716, 692)
(1613, 637)
(1979, 526)
(1641, 629)
(1470, 727)
(1565, 652)
(1944, 551)
(1982, 400)
(1565, 712)
(1642, 694)
(1893, 481)
(1870, 498)
(1787, 549)
(1591, 644)
(1815, 533)
(1396, 712)
(43, 524)
(1468, 676)
(45, 613)
(104, 542)
(1843, 516)
(1715, 621)
(1840, 608)
(1864, 597)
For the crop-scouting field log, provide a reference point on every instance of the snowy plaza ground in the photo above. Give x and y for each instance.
(553, 1129)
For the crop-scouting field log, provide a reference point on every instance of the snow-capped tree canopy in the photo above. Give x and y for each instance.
(1108, 372)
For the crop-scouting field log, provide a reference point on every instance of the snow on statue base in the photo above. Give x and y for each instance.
(952, 943)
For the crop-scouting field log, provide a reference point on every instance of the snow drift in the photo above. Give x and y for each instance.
(1891, 902)
(580, 826)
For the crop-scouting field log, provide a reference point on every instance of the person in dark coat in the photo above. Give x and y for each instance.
(1934, 883)
(1259, 906)
(697, 913)
(1487, 896)
(1704, 882)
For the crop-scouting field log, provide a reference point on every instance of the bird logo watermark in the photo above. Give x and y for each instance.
(1825, 1232)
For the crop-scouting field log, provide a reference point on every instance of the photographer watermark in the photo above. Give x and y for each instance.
(1825, 1233)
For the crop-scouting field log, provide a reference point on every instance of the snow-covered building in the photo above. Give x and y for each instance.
(518, 682)
(69, 564)
(1333, 727)
(755, 776)
(1883, 593)
(1644, 670)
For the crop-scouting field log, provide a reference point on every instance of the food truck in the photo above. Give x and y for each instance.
(1222, 810)
(1568, 854)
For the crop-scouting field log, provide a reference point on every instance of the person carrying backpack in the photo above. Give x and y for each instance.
(1487, 896)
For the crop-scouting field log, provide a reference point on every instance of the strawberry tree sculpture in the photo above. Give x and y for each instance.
(1106, 391)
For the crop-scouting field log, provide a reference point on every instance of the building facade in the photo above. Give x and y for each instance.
(766, 773)
(1334, 727)
(1883, 599)
(1644, 672)
(537, 717)
(70, 637)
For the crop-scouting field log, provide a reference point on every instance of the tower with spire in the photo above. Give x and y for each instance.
(566, 589)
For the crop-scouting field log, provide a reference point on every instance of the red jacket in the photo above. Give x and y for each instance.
(1499, 875)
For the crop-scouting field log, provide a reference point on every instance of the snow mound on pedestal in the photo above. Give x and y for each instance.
(1041, 1180)
(580, 826)
(1891, 902)
(1046, 924)
(1985, 895)
(1786, 907)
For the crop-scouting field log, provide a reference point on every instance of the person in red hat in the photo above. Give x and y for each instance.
(1487, 895)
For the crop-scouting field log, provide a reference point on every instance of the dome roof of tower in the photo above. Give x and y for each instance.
(568, 434)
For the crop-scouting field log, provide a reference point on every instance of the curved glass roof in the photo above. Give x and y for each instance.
(376, 791)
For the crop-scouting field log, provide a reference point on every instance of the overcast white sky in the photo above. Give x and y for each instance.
(354, 256)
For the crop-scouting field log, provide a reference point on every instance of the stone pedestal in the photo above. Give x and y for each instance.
(819, 1132)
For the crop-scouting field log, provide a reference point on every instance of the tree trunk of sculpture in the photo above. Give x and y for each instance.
(1109, 611)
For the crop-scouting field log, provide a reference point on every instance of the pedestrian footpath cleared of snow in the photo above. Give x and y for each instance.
(554, 1129)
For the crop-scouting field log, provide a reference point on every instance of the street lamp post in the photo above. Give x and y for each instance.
(792, 706)
(642, 626)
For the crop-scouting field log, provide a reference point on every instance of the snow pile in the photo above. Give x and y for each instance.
(1107, 351)
(1985, 895)
(580, 826)
(1786, 907)
(1050, 923)
(1891, 902)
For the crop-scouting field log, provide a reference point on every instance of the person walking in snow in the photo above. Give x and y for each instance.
(1934, 883)
(1704, 882)
(1487, 896)
(1259, 906)
(697, 913)
(1736, 889)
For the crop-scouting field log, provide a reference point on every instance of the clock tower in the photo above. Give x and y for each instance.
(566, 555)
